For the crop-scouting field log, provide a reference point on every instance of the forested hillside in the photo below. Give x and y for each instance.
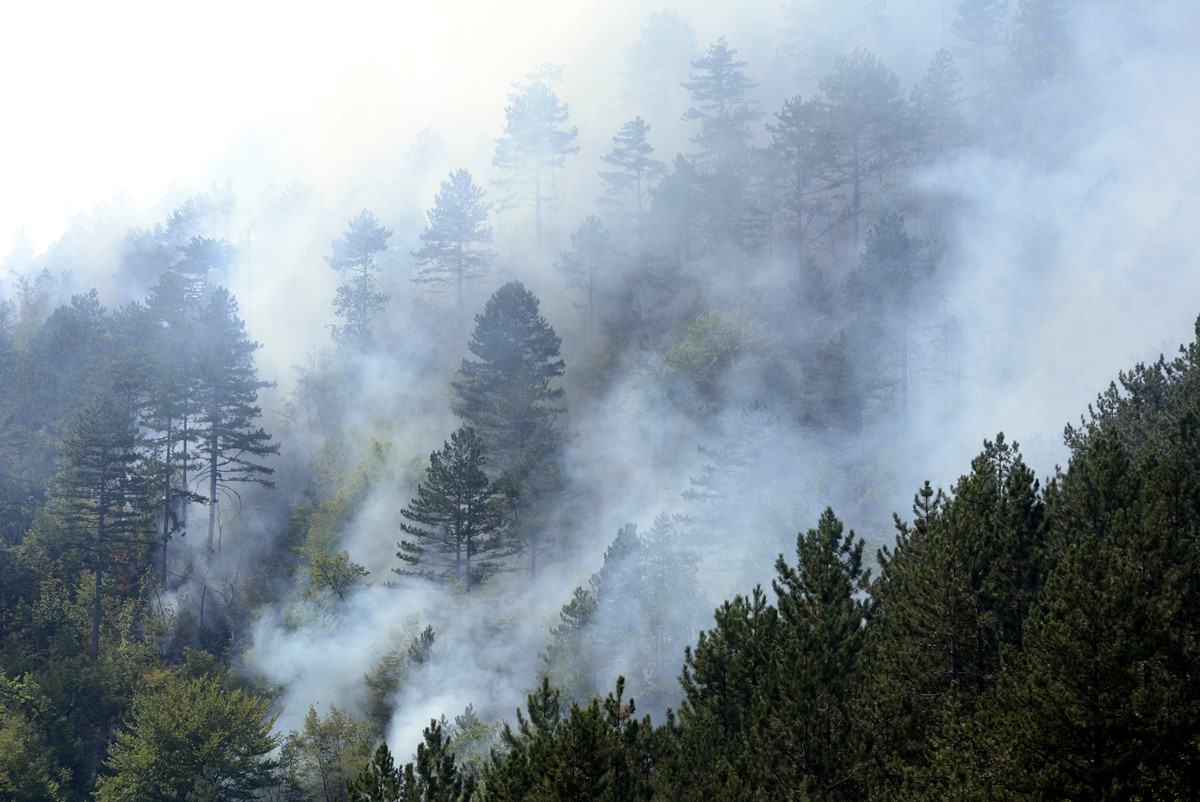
(567, 466)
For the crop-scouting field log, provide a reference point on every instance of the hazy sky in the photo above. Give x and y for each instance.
(138, 96)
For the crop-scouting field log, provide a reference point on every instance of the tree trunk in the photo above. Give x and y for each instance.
(98, 568)
(212, 493)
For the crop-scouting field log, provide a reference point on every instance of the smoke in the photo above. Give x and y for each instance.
(1064, 255)
(1069, 259)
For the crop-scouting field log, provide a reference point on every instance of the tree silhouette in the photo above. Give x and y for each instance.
(536, 142)
(454, 251)
(359, 298)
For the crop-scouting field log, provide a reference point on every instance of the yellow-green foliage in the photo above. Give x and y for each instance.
(189, 736)
(695, 372)
(328, 751)
(26, 771)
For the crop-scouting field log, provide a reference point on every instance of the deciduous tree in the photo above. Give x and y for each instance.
(191, 736)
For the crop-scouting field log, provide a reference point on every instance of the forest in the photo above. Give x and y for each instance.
(613, 456)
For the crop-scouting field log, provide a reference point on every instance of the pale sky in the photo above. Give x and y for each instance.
(131, 95)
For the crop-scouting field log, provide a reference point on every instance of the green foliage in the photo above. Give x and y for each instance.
(953, 597)
(505, 393)
(507, 396)
(595, 752)
(318, 761)
(718, 356)
(103, 497)
(191, 736)
(378, 781)
(390, 672)
(27, 771)
(455, 516)
(432, 777)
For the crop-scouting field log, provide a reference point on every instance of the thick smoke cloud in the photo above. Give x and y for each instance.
(1065, 256)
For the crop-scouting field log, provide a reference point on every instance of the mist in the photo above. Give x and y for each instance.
(1057, 238)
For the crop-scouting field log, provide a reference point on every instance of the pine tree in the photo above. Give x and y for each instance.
(455, 515)
(587, 262)
(230, 446)
(720, 105)
(1039, 48)
(806, 711)
(379, 781)
(102, 493)
(658, 63)
(952, 600)
(867, 125)
(506, 395)
(454, 251)
(714, 755)
(979, 25)
(631, 184)
(162, 336)
(536, 142)
(202, 264)
(359, 298)
(797, 163)
(937, 107)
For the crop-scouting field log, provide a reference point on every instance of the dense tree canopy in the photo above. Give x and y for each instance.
(780, 319)
(192, 740)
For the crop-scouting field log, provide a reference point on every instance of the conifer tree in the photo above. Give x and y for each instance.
(455, 240)
(659, 61)
(867, 125)
(455, 515)
(359, 298)
(102, 493)
(719, 103)
(201, 265)
(635, 174)
(379, 781)
(712, 757)
(979, 25)
(535, 144)
(937, 108)
(586, 263)
(797, 161)
(806, 711)
(505, 394)
(162, 336)
(230, 446)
